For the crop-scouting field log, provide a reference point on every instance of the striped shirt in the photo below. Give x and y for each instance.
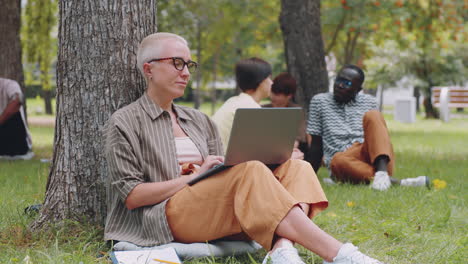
(140, 148)
(338, 125)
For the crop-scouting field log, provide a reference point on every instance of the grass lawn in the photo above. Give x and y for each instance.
(401, 225)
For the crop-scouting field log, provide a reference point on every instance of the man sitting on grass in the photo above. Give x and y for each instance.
(15, 141)
(351, 134)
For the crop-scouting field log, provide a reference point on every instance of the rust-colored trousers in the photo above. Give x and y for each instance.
(355, 164)
(247, 199)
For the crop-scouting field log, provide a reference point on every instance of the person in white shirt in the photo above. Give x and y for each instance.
(15, 140)
(253, 76)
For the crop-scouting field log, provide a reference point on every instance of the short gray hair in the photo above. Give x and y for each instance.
(150, 47)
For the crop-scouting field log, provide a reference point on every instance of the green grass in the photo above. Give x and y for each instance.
(36, 107)
(401, 225)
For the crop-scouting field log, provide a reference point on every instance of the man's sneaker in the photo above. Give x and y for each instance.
(329, 181)
(287, 254)
(415, 182)
(381, 181)
(349, 254)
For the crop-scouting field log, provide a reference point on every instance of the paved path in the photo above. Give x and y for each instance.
(41, 120)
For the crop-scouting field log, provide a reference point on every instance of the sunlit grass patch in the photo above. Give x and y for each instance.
(402, 225)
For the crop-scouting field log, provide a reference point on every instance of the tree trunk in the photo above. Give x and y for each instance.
(10, 45)
(96, 75)
(47, 95)
(305, 56)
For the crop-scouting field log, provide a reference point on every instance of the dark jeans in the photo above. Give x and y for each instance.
(13, 137)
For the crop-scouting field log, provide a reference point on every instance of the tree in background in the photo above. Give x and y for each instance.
(223, 32)
(10, 45)
(96, 75)
(347, 26)
(429, 32)
(434, 27)
(39, 45)
(431, 45)
(305, 57)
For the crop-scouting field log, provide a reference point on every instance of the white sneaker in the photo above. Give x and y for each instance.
(329, 181)
(415, 182)
(381, 181)
(349, 254)
(29, 155)
(287, 254)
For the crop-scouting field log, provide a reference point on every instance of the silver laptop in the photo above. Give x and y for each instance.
(263, 134)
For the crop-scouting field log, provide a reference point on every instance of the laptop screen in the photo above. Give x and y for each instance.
(263, 134)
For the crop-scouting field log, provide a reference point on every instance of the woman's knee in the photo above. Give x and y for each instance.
(255, 165)
(255, 168)
(298, 164)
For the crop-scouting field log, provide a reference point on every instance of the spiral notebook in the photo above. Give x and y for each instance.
(151, 256)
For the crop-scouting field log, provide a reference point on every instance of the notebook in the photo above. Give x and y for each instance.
(150, 256)
(263, 134)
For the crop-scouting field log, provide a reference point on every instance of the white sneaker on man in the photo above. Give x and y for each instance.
(287, 254)
(415, 182)
(349, 254)
(381, 181)
(329, 181)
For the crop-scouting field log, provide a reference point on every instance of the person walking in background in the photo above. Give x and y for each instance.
(15, 139)
(351, 135)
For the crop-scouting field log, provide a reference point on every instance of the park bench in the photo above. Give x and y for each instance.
(449, 97)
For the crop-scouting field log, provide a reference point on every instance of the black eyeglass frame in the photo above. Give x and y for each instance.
(191, 65)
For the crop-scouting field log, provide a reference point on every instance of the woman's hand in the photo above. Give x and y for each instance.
(209, 162)
(297, 154)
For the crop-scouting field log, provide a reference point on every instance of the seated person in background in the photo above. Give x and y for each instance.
(253, 76)
(15, 140)
(282, 92)
(356, 143)
(149, 201)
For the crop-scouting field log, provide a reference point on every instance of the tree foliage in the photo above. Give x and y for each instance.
(226, 31)
(39, 44)
(393, 38)
(351, 27)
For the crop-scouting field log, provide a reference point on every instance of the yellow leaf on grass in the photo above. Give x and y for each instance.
(439, 184)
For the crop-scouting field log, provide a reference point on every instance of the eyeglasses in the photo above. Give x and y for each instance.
(346, 83)
(179, 63)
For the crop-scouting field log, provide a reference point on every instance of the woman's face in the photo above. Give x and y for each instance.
(279, 99)
(163, 77)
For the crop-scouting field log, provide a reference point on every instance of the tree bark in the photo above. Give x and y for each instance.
(47, 95)
(96, 75)
(11, 66)
(305, 56)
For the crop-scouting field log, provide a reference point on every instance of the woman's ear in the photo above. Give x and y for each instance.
(147, 69)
